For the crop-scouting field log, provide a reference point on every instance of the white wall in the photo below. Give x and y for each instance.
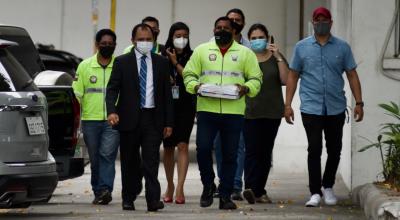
(68, 24)
(39, 21)
(370, 23)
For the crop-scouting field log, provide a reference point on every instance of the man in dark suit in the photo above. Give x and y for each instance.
(139, 105)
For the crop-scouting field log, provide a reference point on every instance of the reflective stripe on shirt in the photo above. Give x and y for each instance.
(94, 90)
(224, 73)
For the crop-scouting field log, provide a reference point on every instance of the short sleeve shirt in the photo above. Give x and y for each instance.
(321, 74)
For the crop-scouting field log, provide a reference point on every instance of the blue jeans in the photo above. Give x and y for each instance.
(238, 184)
(229, 126)
(102, 143)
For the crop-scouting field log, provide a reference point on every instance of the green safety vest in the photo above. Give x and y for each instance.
(239, 65)
(90, 88)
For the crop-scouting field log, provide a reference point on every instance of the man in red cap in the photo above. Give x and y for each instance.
(320, 60)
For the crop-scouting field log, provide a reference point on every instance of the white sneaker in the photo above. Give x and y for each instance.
(314, 201)
(329, 196)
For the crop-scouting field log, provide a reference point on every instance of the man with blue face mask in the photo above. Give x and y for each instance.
(320, 61)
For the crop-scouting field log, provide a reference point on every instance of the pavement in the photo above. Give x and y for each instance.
(72, 200)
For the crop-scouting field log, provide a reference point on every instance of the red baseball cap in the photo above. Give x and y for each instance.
(322, 11)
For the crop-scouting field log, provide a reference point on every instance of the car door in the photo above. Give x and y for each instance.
(23, 114)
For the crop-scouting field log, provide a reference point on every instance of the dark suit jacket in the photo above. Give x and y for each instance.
(124, 87)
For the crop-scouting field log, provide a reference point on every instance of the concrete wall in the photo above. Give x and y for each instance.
(67, 23)
(369, 25)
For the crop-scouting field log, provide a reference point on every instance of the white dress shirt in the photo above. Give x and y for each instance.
(149, 79)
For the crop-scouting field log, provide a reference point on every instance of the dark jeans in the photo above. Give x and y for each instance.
(259, 135)
(332, 127)
(238, 183)
(102, 143)
(229, 126)
(147, 138)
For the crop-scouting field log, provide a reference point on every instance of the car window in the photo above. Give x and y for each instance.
(5, 82)
(13, 77)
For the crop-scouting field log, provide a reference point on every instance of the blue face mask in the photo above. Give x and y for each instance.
(258, 45)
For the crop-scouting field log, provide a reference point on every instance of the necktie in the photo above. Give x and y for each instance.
(142, 78)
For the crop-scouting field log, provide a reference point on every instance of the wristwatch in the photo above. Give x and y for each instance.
(279, 59)
(360, 103)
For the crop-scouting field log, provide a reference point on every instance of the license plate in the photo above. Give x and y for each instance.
(35, 125)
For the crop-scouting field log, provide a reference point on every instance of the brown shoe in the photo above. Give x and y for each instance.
(263, 199)
(248, 194)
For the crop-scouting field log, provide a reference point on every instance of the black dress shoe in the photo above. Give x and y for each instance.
(128, 205)
(155, 206)
(105, 197)
(226, 203)
(207, 198)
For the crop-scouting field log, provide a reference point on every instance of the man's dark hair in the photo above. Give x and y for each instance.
(150, 19)
(223, 18)
(104, 32)
(141, 26)
(237, 11)
(260, 27)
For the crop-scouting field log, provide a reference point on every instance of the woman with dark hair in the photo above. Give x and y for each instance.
(178, 52)
(263, 114)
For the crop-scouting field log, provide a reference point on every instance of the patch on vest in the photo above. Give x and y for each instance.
(212, 57)
(93, 79)
(234, 57)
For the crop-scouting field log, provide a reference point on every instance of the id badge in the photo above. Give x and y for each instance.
(175, 92)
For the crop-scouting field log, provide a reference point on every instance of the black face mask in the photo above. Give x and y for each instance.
(106, 51)
(238, 27)
(223, 37)
(322, 28)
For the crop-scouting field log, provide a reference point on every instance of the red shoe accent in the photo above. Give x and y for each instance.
(180, 200)
(167, 199)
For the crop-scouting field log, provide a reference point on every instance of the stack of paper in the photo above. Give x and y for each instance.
(219, 91)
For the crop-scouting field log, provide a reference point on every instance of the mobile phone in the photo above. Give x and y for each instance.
(272, 39)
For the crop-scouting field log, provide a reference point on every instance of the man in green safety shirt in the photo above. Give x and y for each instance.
(100, 138)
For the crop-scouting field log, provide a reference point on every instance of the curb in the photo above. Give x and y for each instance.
(376, 202)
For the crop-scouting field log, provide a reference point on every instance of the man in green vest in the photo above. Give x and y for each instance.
(224, 63)
(101, 140)
(155, 27)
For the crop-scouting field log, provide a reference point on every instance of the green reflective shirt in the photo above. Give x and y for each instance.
(90, 88)
(239, 65)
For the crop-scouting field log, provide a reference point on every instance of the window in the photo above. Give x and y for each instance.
(6, 84)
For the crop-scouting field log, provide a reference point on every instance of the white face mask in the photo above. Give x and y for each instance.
(180, 43)
(144, 47)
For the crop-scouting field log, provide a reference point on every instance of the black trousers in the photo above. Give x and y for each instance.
(229, 127)
(259, 136)
(332, 128)
(135, 165)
